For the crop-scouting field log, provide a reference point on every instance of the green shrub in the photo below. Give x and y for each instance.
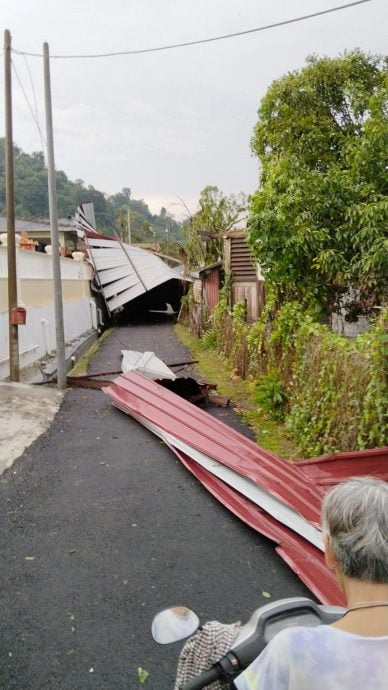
(330, 391)
(269, 393)
(209, 340)
(338, 391)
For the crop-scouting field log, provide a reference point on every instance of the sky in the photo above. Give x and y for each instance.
(168, 123)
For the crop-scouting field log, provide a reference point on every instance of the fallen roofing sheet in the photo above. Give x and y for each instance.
(124, 272)
(331, 469)
(304, 559)
(146, 363)
(280, 511)
(279, 499)
(136, 394)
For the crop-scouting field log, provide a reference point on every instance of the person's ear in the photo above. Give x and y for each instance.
(330, 558)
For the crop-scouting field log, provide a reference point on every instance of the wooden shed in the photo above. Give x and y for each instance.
(247, 284)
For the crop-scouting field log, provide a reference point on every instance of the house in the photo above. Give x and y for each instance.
(38, 230)
(35, 290)
(246, 280)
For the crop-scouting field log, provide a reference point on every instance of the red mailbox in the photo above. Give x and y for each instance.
(18, 316)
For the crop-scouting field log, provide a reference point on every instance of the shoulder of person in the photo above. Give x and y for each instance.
(298, 633)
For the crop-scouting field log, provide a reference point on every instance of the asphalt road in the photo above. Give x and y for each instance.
(101, 527)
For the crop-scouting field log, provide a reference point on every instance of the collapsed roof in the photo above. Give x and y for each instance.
(123, 272)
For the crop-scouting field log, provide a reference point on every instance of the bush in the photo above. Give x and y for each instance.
(271, 396)
(338, 391)
(331, 392)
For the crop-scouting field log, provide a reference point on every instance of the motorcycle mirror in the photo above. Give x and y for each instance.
(173, 624)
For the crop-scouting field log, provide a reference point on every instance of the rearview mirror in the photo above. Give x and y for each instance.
(173, 624)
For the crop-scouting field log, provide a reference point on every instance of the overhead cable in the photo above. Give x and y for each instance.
(34, 117)
(156, 49)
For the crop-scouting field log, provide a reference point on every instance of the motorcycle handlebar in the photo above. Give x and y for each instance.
(203, 680)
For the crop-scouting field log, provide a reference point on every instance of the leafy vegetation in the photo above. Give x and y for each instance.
(31, 201)
(318, 222)
(216, 368)
(270, 395)
(142, 676)
(331, 392)
(217, 213)
(318, 227)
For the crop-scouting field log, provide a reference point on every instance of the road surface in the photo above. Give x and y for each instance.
(100, 528)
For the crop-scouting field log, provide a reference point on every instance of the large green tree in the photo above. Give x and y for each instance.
(318, 222)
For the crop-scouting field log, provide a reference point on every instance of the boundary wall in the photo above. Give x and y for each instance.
(35, 288)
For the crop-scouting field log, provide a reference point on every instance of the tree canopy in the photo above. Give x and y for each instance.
(217, 213)
(318, 222)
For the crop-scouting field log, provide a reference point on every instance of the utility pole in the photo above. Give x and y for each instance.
(128, 225)
(58, 304)
(167, 236)
(10, 205)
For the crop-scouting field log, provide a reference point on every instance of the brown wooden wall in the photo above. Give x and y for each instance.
(252, 295)
(242, 265)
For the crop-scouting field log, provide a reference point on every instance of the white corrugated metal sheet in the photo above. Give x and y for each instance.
(125, 272)
(147, 363)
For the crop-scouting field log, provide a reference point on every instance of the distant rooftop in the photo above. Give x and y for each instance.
(35, 224)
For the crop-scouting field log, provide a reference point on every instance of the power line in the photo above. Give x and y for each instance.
(200, 41)
(42, 139)
(32, 86)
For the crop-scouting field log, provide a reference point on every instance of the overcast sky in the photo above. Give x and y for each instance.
(166, 123)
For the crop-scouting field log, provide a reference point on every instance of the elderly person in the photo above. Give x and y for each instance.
(351, 654)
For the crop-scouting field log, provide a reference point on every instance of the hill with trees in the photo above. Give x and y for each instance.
(31, 201)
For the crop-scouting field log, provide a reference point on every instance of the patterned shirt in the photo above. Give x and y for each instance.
(321, 658)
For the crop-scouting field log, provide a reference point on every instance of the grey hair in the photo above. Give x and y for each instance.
(355, 518)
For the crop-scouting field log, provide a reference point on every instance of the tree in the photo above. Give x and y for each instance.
(217, 213)
(318, 220)
(31, 199)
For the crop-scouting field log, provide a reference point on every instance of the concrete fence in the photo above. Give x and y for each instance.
(36, 293)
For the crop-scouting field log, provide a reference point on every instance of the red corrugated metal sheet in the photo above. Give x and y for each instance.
(304, 559)
(209, 435)
(211, 282)
(299, 486)
(331, 469)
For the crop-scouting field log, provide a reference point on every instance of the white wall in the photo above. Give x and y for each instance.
(37, 338)
(35, 291)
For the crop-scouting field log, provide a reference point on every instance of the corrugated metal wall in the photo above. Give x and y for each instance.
(211, 285)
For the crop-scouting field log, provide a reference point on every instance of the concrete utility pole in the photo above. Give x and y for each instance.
(10, 205)
(128, 225)
(58, 304)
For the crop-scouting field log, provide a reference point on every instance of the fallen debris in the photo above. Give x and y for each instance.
(194, 392)
(279, 499)
(122, 272)
(87, 382)
(146, 363)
